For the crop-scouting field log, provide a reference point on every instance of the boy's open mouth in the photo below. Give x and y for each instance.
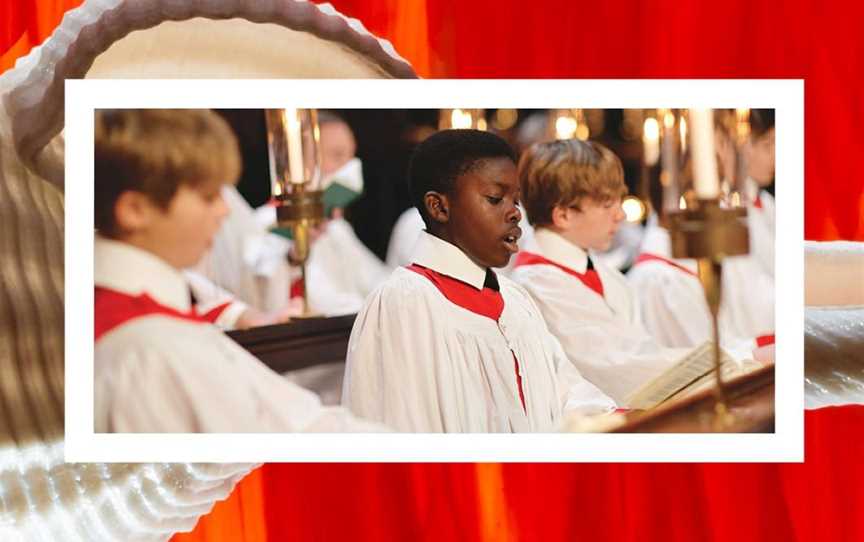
(511, 238)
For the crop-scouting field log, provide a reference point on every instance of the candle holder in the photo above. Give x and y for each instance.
(710, 233)
(293, 140)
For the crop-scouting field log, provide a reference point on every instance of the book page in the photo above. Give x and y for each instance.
(692, 368)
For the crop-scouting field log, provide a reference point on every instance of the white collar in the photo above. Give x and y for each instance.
(448, 259)
(124, 268)
(561, 251)
(655, 239)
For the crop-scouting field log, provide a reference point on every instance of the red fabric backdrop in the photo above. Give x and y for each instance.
(821, 498)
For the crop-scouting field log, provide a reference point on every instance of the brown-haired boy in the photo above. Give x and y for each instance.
(446, 344)
(572, 194)
(160, 364)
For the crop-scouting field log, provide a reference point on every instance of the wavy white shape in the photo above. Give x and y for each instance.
(834, 273)
(42, 498)
(834, 355)
(35, 99)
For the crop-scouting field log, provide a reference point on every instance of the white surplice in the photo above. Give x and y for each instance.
(602, 335)
(340, 271)
(210, 297)
(161, 371)
(419, 362)
(672, 301)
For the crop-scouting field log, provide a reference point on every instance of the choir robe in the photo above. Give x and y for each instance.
(419, 360)
(761, 222)
(601, 332)
(335, 288)
(672, 301)
(161, 366)
(218, 305)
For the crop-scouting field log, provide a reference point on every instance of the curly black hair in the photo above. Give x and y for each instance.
(439, 160)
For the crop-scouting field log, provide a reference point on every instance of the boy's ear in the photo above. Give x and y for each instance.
(132, 211)
(437, 206)
(560, 216)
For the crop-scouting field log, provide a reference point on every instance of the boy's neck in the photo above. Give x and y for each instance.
(570, 238)
(146, 246)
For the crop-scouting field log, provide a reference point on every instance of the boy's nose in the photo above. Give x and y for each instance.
(514, 214)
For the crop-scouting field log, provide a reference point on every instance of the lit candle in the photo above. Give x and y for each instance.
(565, 127)
(295, 146)
(705, 181)
(651, 141)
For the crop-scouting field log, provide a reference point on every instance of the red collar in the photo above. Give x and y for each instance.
(589, 278)
(648, 257)
(486, 302)
(113, 309)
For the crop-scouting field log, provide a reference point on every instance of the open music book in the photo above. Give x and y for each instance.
(692, 374)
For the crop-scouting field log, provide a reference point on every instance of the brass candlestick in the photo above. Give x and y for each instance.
(293, 140)
(710, 233)
(301, 211)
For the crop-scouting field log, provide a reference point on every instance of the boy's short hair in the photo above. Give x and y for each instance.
(563, 172)
(154, 151)
(444, 156)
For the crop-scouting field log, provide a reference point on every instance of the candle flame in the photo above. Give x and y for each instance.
(682, 203)
(565, 127)
(650, 129)
(583, 132)
(668, 119)
(634, 209)
(460, 119)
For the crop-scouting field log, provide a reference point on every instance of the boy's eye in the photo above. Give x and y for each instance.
(494, 200)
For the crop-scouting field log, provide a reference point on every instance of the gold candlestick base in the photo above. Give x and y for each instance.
(301, 211)
(711, 233)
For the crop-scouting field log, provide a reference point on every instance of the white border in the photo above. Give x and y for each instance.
(82, 97)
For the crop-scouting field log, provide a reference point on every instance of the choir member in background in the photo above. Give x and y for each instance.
(672, 301)
(759, 159)
(572, 192)
(341, 270)
(160, 364)
(446, 344)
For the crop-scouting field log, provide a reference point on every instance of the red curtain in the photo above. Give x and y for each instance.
(820, 499)
(570, 39)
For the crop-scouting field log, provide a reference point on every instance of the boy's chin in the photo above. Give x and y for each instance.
(502, 262)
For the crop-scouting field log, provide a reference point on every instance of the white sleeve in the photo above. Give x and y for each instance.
(390, 372)
(578, 395)
(210, 296)
(210, 388)
(669, 310)
(615, 357)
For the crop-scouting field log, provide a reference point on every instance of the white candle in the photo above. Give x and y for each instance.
(651, 141)
(705, 181)
(295, 146)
